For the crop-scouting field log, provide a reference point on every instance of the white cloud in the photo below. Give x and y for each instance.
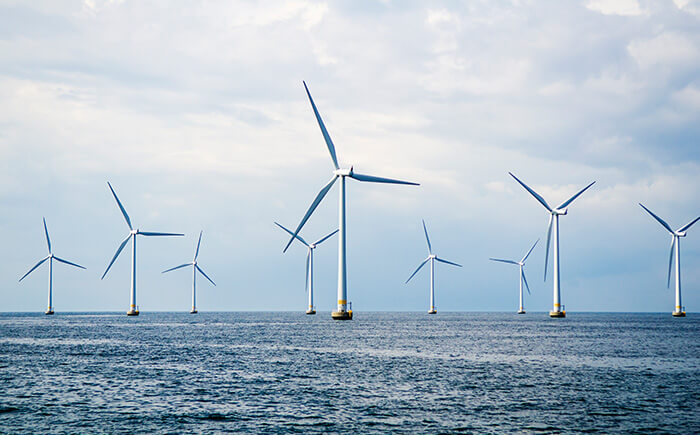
(617, 7)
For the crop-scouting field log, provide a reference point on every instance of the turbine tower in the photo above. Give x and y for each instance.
(133, 309)
(309, 265)
(679, 311)
(195, 269)
(521, 263)
(554, 213)
(432, 258)
(51, 258)
(343, 313)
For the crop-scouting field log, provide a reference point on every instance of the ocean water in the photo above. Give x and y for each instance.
(382, 372)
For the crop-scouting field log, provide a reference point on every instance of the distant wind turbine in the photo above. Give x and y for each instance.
(343, 313)
(554, 214)
(51, 258)
(520, 263)
(133, 309)
(195, 269)
(675, 248)
(432, 258)
(309, 265)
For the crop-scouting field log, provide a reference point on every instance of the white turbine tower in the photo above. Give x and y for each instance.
(195, 269)
(554, 213)
(133, 309)
(343, 312)
(309, 265)
(51, 258)
(520, 263)
(679, 311)
(432, 258)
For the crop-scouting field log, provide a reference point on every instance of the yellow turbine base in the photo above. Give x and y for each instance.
(193, 311)
(132, 313)
(678, 314)
(433, 311)
(310, 311)
(522, 312)
(342, 315)
(557, 314)
(48, 312)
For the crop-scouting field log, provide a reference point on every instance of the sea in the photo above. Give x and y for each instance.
(383, 372)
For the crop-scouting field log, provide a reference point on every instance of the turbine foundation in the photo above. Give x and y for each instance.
(557, 314)
(310, 311)
(674, 313)
(132, 312)
(194, 311)
(432, 311)
(50, 311)
(521, 311)
(342, 315)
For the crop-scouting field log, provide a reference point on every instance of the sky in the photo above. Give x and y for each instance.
(197, 115)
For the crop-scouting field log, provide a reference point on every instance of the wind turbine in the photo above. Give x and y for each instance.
(309, 265)
(675, 248)
(432, 258)
(133, 309)
(195, 269)
(520, 263)
(51, 258)
(343, 313)
(554, 213)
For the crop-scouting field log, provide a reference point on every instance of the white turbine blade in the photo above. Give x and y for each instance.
(119, 250)
(150, 234)
(177, 267)
(528, 252)
(67, 262)
(205, 275)
(527, 287)
(326, 238)
(121, 207)
(690, 224)
(298, 237)
(503, 261)
(532, 192)
(306, 283)
(311, 209)
(570, 200)
(427, 239)
(196, 253)
(373, 179)
(447, 262)
(416, 271)
(326, 136)
(661, 221)
(546, 249)
(48, 241)
(35, 266)
(670, 261)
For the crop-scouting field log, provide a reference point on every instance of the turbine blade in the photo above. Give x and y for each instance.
(532, 192)
(177, 267)
(48, 241)
(546, 249)
(528, 252)
(416, 271)
(298, 237)
(527, 287)
(670, 261)
(503, 261)
(311, 209)
(205, 275)
(35, 266)
(306, 283)
(326, 136)
(150, 234)
(121, 207)
(447, 262)
(570, 200)
(67, 262)
(119, 250)
(661, 221)
(199, 242)
(427, 239)
(373, 179)
(690, 224)
(326, 238)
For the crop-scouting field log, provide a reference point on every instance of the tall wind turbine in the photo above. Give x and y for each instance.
(133, 309)
(675, 249)
(432, 258)
(309, 265)
(195, 269)
(520, 263)
(343, 313)
(51, 258)
(554, 214)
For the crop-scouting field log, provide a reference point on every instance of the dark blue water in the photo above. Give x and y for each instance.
(382, 372)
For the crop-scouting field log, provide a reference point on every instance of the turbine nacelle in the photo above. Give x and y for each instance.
(560, 212)
(133, 232)
(432, 256)
(343, 172)
(680, 234)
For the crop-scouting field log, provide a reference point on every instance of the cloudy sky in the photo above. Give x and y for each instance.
(197, 115)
